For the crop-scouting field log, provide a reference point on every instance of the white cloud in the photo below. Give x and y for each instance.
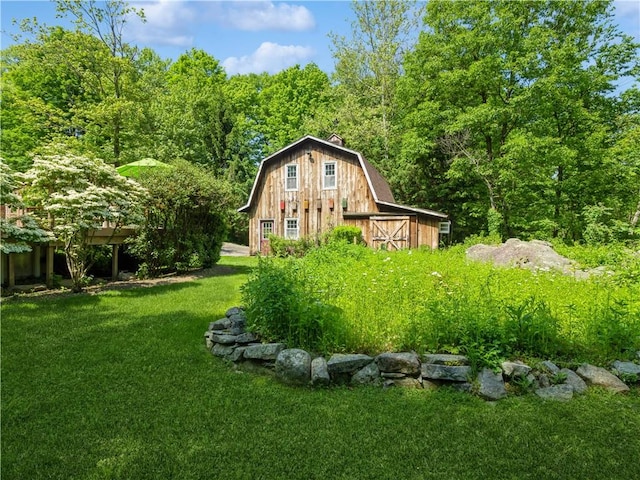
(265, 15)
(167, 23)
(269, 57)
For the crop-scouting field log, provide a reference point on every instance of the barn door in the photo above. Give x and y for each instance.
(266, 229)
(390, 233)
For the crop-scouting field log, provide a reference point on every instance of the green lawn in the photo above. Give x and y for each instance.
(120, 385)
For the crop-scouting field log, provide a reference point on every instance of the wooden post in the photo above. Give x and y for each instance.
(114, 262)
(35, 258)
(11, 282)
(49, 267)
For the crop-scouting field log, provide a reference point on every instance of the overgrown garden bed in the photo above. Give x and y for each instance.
(346, 298)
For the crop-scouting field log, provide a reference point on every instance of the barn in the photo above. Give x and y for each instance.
(313, 185)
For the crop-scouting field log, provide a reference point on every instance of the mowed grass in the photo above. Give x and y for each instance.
(119, 385)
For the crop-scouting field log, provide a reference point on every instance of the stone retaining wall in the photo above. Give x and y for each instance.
(228, 338)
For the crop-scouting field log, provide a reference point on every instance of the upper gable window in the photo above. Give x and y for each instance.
(329, 175)
(291, 177)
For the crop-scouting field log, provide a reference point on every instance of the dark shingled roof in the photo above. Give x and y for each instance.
(380, 189)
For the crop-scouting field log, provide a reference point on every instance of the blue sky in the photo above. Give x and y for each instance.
(246, 36)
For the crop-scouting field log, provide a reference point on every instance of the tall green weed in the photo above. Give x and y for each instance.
(344, 297)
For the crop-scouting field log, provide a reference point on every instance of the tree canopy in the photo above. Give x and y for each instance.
(509, 116)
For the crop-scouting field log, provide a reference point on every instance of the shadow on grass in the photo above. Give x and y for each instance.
(139, 395)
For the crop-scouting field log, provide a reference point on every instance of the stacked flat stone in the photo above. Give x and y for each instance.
(229, 339)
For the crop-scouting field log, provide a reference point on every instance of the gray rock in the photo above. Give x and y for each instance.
(237, 355)
(293, 366)
(627, 368)
(638, 354)
(246, 337)
(427, 385)
(407, 382)
(319, 372)
(392, 375)
(432, 371)
(543, 380)
(406, 362)
(491, 385)
(574, 380)
(464, 387)
(207, 340)
(237, 323)
(347, 363)
(534, 255)
(367, 375)
(234, 311)
(602, 378)
(220, 350)
(221, 324)
(515, 369)
(445, 359)
(263, 351)
(223, 338)
(561, 392)
(550, 367)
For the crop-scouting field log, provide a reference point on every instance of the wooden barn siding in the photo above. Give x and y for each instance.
(351, 184)
(428, 232)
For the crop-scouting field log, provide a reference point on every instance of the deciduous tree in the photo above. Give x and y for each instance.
(77, 195)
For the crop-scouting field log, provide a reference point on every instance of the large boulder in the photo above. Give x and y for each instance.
(293, 366)
(602, 378)
(407, 363)
(491, 385)
(533, 255)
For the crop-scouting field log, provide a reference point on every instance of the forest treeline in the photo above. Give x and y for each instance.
(515, 118)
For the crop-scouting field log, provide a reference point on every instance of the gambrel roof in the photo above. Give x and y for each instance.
(378, 186)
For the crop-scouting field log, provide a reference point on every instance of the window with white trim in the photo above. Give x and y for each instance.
(291, 177)
(329, 175)
(291, 230)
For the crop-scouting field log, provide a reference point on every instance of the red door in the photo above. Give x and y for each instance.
(266, 229)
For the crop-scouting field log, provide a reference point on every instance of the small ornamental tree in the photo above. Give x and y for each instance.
(77, 195)
(18, 231)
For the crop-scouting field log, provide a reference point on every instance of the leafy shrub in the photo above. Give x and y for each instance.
(344, 233)
(282, 247)
(185, 219)
(283, 303)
